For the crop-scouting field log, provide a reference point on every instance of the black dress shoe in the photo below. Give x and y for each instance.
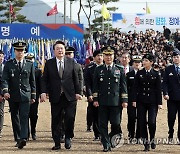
(34, 136)
(22, 143)
(67, 143)
(107, 149)
(153, 146)
(16, 145)
(56, 147)
(146, 147)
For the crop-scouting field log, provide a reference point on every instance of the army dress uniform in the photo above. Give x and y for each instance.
(89, 76)
(19, 82)
(109, 90)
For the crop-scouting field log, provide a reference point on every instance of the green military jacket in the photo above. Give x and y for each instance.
(19, 83)
(109, 87)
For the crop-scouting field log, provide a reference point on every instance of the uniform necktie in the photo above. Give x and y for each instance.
(147, 73)
(0, 67)
(177, 70)
(19, 65)
(109, 68)
(60, 69)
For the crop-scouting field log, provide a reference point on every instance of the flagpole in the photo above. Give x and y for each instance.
(103, 21)
(108, 25)
(55, 14)
(70, 12)
(9, 12)
(64, 11)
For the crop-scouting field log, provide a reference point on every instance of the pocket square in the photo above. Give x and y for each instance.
(131, 77)
(170, 74)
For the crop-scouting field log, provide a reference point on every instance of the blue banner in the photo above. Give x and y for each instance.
(42, 31)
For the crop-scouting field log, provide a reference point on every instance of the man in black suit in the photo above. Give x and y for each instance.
(131, 110)
(124, 61)
(19, 88)
(171, 92)
(89, 76)
(60, 81)
(1, 97)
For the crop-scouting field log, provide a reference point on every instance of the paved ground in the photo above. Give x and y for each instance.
(83, 141)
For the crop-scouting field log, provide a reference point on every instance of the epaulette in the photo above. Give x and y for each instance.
(119, 66)
(90, 66)
(29, 60)
(10, 60)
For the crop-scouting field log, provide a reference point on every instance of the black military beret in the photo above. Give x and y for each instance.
(19, 45)
(29, 56)
(108, 50)
(149, 56)
(137, 58)
(96, 52)
(70, 49)
(176, 52)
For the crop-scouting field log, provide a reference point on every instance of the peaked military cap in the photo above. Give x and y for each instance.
(137, 58)
(96, 52)
(176, 52)
(29, 56)
(70, 49)
(19, 45)
(108, 50)
(149, 56)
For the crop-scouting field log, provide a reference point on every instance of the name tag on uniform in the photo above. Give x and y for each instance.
(170, 74)
(131, 77)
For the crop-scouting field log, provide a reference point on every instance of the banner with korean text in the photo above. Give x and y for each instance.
(42, 31)
(145, 21)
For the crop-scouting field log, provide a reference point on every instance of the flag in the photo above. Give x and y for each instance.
(53, 11)
(104, 12)
(11, 11)
(148, 11)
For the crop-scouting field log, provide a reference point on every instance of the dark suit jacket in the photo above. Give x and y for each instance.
(147, 89)
(130, 76)
(79, 71)
(52, 83)
(89, 75)
(171, 83)
(19, 83)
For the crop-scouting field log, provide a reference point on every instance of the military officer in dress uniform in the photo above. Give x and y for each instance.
(131, 110)
(171, 92)
(147, 97)
(110, 94)
(19, 88)
(33, 113)
(89, 75)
